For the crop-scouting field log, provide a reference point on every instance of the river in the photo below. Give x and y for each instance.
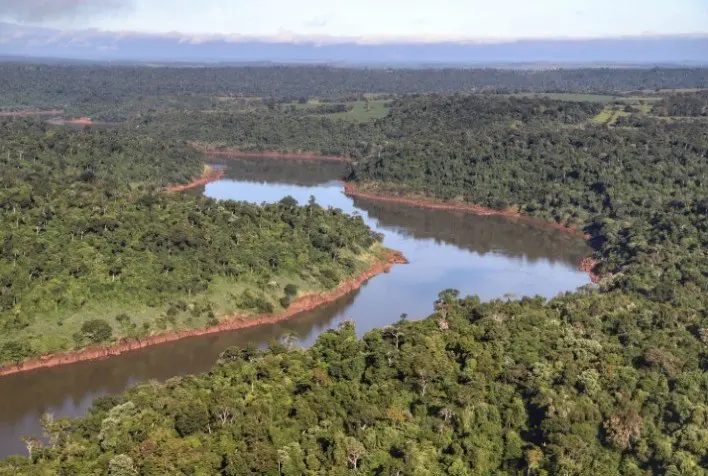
(492, 257)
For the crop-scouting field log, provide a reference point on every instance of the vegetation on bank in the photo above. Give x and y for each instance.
(610, 380)
(93, 250)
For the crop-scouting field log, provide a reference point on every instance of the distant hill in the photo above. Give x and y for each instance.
(20, 41)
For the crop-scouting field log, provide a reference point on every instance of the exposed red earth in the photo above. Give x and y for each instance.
(588, 265)
(80, 121)
(87, 121)
(230, 323)
(207, 177)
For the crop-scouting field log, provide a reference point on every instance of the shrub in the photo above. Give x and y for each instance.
(96, 331)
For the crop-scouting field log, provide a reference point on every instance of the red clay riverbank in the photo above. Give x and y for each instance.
(351, 190)
(302, 304)
(207, 177)
(81, 121)
(270, 154)
(587, 265)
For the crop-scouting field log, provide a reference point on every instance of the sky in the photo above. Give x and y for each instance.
(374, 20)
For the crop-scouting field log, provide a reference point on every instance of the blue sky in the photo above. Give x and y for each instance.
(377, 20)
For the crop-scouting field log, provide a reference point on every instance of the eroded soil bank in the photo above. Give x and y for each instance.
(352, 190)
(209, 175)
(230, 323)
(587, 265)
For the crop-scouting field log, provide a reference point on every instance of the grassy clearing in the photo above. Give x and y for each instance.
(609, 116)
(360, 112)
(225, 298)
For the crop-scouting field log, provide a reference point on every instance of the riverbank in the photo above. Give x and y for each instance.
(427, 202)
(81, 121)
(209, 175)
(587, 265)
(230, 323)
(205, 149)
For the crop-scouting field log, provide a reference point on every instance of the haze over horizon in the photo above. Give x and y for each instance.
(600, 30)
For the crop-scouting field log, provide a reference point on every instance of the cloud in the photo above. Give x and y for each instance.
(44, 10)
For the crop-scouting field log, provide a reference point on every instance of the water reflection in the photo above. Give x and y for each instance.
(490, 234)
(294, 172)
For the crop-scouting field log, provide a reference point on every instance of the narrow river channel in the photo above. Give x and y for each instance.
(492, 257)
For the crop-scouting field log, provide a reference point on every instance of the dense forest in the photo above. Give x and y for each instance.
(607, 380)
(413, 118)
(684, 104)
(96, 89)
(93, 249)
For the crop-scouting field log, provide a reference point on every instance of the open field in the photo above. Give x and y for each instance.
(376, 110)
(359, 113)
(609, 116)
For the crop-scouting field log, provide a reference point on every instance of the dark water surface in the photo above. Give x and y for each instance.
(492, 257)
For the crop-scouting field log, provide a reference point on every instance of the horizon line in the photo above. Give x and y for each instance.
(286, 36)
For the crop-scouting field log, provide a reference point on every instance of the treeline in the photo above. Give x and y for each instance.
(91, 249)
(683, 104)
(23, 84)
(590, 383)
